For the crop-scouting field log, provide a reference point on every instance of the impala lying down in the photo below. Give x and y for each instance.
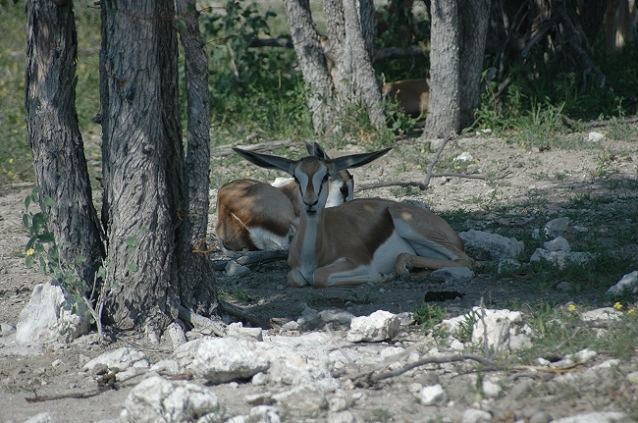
(365, 240)
(253, 215)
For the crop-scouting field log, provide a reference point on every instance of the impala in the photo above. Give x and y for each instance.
(366, 240)
(253, 215)
(412, 95)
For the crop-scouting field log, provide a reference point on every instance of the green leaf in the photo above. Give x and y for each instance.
(38, 222)
(46, 237)
(27, 202)
(48, 202)
(26, 220)
(28, 261)
(101, 272)
(131, 242)
(30, 242)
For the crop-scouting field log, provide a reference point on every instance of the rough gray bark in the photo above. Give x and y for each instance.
(358, 51)
(319, 88)
(475, 16)
(337, 69)
(195, 269)
(54, 136)
(444, 107)
(459, 30)
(144, 158)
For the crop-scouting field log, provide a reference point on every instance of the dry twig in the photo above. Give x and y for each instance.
(370, 378)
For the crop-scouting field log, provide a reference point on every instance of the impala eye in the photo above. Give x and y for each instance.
(344, 190)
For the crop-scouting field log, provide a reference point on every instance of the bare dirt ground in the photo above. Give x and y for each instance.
(595, 184)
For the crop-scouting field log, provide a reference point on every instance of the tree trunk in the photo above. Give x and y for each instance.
(475, 16)
(55, 139)
(459, 30)
(195, 269)
(316, 74)
(444, 107)
(145, 157)
(358, 51)
(337, 69)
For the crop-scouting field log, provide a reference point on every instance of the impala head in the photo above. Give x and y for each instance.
(313, 173)
(341, 185)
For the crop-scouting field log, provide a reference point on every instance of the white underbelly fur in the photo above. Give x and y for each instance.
(385, 256)
(268, 241)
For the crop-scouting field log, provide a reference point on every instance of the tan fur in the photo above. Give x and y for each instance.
(411, 94)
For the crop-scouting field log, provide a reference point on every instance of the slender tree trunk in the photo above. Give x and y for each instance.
(55, 139)
(144, 160)
(357, 16)
(319, 87)
(195, 269)
(444, 107)
(475, 16)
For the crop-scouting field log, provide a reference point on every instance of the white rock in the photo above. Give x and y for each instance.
(40, 418)
(583, 356)
(307, 399)
(452, 274)
(632, 378)
(238, 330)
(379, 326)
(601, 315)
(166, 366)
(221, 360)
(491, 389)
(607, 364)
(464, 157)
(557, 244)
(6, 329)
(473, 415)
(338, 402)
(236, 269)
(176, 334)
(121, 358)
(560, 258)
(628, 283)
(49, 318)
(156, 399)
(259, 379)
(291, 326)
(432, 395)
(595, 137)
(493, 245)
(508, 265)
(502, 330)
(556, 227)
(342, 417)
(596, 417)
(264, 414)
(340, 317)
(453, 324)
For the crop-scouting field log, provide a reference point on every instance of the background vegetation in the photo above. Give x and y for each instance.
(258, 93)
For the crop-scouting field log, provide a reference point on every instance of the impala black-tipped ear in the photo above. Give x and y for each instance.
(266, 160)
(315, 150)
(355, 160)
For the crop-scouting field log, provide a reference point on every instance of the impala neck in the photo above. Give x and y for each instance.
(308, 236)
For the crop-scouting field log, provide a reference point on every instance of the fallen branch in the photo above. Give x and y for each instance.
(261, 147)
(370, 378)
(246, 258)
(418, 184)
(242, 314)
(74, 395)
(200, 322)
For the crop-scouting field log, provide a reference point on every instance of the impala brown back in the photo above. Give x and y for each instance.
(411, 94)
(248, 203)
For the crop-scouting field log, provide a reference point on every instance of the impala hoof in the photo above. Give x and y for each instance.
(296, 279)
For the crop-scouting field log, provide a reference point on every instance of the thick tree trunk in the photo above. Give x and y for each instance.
(54, 136)
(144, 160)
(444, 107)
(319, 87)
(195, 269)
(459, 30)
(475, 16)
